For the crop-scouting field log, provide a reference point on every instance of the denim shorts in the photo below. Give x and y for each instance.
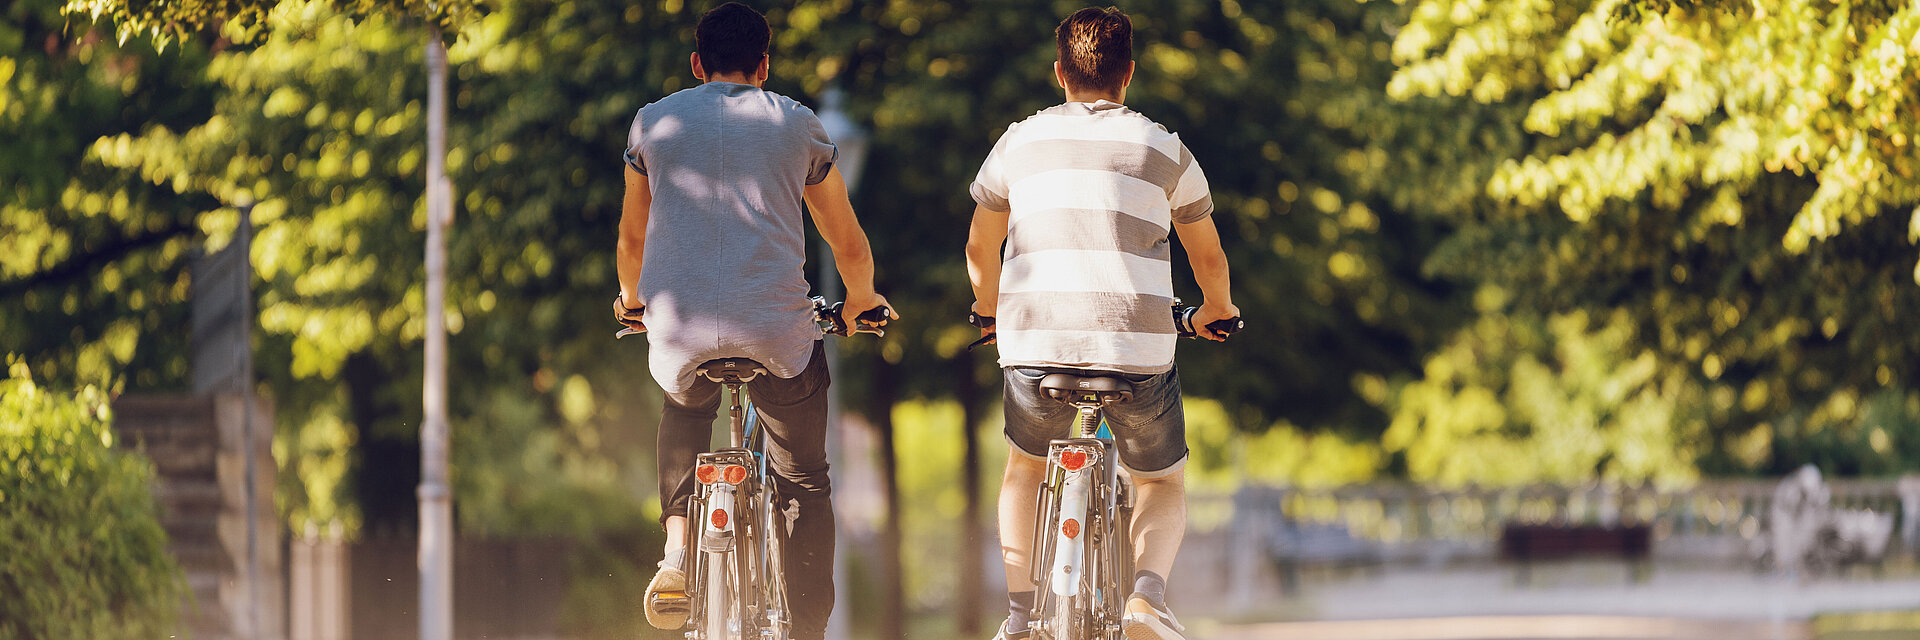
(1150, 431)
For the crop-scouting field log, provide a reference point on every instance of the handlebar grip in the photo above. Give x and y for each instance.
(1228, 326)
(875, 315)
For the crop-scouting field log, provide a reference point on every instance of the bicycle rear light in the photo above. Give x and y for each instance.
(735, 474)
(1076, 458)
(719, 518)
(1070, 528)
(706, 474)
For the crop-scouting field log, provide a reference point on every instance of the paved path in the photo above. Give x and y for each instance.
(1512, 628)
(1564, 601)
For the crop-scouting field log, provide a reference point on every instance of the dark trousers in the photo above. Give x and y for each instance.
(793, 413)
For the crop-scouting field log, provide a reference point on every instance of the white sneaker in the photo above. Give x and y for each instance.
(667, 605)
(1003, 635)
(1147, 622)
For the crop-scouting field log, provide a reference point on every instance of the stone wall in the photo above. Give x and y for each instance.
(230, 553)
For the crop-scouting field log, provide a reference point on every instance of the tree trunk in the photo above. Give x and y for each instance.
(972, 587)
(893, 579)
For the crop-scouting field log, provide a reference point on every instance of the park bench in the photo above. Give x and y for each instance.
(1528, 543)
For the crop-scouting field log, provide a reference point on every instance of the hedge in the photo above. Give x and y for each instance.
(84, 555)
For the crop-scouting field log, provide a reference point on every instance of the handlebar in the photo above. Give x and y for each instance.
(827, 316)
(1182, 324)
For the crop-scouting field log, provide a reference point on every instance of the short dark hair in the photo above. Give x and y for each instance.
(1095, 47)
(731, 38)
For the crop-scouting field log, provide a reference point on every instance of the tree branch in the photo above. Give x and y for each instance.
(115, 248)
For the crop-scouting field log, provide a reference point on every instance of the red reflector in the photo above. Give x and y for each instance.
(736, 473)
(1070, 528)
(706, 474)
(719, 518)
(1073, 460)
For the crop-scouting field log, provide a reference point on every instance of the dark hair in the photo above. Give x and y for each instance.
(1095, 47)
(731, 38)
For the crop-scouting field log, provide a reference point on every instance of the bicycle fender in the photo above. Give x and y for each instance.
(1070, 552)
(716, 532)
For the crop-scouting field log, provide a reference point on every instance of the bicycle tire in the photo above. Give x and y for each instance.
(774, 615)
(720, 601)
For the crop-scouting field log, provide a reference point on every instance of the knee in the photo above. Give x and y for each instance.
(803, 482)
(1174, 480)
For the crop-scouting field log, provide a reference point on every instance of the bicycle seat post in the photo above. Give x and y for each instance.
(733, 372)
(736, 418)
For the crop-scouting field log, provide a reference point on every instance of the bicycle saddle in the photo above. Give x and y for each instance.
(1067, 387)
(730, 370)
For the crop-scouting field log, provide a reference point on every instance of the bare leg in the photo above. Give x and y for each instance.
(1017, 491)
(676, 534)
(1159, 521)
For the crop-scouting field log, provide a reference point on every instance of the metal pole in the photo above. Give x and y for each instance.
(248, 439)
(436, 508)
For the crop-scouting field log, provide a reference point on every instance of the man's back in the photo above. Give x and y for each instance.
(726, 241)
(1093, 191)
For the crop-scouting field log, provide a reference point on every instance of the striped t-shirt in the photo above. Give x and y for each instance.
(1093, 191)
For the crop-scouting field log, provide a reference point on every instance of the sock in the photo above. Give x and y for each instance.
(1151, 586)
(674, 559)
(1019, 609)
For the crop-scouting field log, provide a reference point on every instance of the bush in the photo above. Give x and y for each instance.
(85, 556)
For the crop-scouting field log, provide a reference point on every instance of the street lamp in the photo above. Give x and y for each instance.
(851, 139)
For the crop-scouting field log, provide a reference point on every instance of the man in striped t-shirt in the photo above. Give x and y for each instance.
(1084, 197)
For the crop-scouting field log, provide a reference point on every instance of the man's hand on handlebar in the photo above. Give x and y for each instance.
(860, 309)
(1211, 312)
(628, 318)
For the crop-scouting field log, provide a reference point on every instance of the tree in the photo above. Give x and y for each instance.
(1734, 177)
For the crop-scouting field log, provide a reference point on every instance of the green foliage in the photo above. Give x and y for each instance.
(248, 21)
(85, 554)
(1736, 178)
(90, 262)
(1517, 398)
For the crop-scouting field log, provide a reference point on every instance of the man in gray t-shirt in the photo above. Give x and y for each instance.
(712, 249)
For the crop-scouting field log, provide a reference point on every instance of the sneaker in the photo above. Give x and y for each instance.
(1147, 622)
(1023, 634)
(668, 606)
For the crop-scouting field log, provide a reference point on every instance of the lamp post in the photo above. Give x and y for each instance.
(436, 501)
(851, 139)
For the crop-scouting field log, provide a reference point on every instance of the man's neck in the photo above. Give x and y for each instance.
(1090, 98)
(736, 78)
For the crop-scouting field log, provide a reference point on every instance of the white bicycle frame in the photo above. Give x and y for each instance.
(1082, 506)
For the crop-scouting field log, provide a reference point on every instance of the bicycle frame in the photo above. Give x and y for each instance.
(737, 586)
(1085, 507)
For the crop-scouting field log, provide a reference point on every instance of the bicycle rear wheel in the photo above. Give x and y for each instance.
(717, 623)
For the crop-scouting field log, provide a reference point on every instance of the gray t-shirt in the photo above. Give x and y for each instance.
(723, 273)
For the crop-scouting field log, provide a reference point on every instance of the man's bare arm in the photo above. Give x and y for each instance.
(634, 210)
(1209, 262)
(852, 255)
(984, 237)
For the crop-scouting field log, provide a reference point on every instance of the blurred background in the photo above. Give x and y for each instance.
(1565, 319)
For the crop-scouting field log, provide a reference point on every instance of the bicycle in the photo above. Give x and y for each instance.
(1085, 506)
(736, 583)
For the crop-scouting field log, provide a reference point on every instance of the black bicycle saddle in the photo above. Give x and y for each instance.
(730, 370)
(1102, 389)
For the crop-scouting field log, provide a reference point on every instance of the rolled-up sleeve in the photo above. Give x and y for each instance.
(632, 153)
(989, 187)
(1191, 199)
(821, 151)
